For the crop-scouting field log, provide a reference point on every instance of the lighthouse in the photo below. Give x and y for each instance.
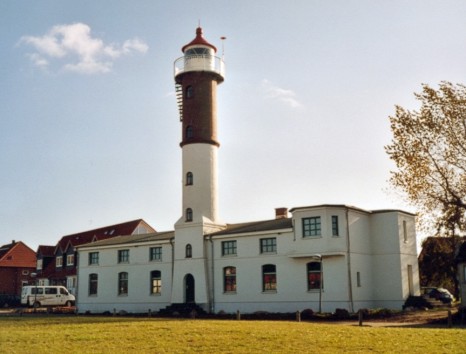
(197, 74)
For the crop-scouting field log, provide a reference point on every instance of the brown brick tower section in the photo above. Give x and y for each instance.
(199, 107)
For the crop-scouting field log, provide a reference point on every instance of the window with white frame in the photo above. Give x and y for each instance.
(70, 260)
(155, 282)
(312, 226)
(58, 261)
(39, 264)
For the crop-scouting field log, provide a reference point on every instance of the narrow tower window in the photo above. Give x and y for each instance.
(189, 92)
(189, 214)
(189, 251)
(189, 179)
(189, 132)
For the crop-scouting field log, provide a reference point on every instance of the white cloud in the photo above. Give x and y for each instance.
(74, 49)
(282, 95)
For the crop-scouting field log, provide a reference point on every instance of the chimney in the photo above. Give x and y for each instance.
(281, 213)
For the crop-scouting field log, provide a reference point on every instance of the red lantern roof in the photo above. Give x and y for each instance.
(199, 40)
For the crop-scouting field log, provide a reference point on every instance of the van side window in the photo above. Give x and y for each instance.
(37, 291)
(52, 291)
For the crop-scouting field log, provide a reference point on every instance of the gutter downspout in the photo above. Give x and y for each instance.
(173, 263)
(212, 288)
(348, 258)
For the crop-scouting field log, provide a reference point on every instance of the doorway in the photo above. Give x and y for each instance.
(189, 288)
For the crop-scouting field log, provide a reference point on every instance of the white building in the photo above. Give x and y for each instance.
(323, 257)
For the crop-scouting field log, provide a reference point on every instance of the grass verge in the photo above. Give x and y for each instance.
(151, 335)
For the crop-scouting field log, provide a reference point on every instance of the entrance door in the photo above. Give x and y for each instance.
(189, 288)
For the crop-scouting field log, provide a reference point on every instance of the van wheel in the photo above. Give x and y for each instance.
(68, 304)
(36, 304)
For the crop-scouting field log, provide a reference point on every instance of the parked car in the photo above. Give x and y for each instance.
(46, 296)
(441, 294)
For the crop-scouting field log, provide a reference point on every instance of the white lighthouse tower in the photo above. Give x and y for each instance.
(197, 74)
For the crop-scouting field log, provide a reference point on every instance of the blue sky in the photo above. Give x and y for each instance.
(89, 131)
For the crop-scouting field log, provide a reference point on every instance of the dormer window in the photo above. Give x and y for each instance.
(58, 261)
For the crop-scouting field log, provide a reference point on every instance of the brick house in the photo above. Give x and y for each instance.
(56, 265)
(17, 262)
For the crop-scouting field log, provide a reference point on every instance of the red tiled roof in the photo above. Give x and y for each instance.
(126, 228)
(198, 40)
(17, 254)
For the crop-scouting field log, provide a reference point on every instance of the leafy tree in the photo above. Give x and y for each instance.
(429, 150)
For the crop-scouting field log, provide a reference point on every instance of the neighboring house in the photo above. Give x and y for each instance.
(362, 259)
(17, 262)
(56, 265)
(461, 268)
(323, 257)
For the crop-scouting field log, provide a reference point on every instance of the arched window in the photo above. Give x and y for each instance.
(189, 179)
(269, 277)
(189, 251)
(229, 279)
(93, 282)
(155, 282)
(189, 92)
(314, 276)
(189, 214)
(123, 283)
(189, 132)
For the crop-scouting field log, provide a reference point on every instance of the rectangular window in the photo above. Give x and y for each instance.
(268, 245)
(311, 226)
(405, 232)
(155, 254)
(228, 248)
(314, 276)
(93, 258)
(156, 282)
(123, 283)
(358, 279)
(93, 282)
(70, 260)
(123, 256)
(229, 279)
(335, 225)
(59, 261)
(269, 277)
(39, 264)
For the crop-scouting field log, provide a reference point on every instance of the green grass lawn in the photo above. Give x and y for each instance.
(69, 334)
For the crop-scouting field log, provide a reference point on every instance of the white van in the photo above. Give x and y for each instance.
(46, 296)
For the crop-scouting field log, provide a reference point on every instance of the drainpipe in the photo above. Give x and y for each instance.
(212, 288)
(348, 259)
(173, 261)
